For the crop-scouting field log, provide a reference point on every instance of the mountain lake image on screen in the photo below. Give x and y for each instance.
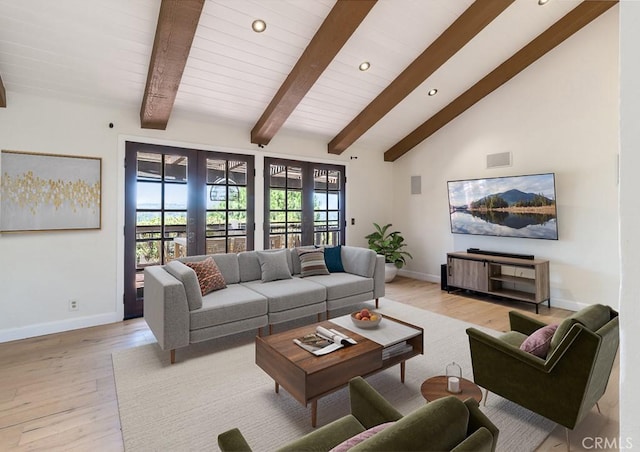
(514, 206)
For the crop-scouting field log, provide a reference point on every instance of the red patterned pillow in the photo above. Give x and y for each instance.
(209, 276)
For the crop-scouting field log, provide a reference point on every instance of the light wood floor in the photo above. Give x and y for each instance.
(57, 392)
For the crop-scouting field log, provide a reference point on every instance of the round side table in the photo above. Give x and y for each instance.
(436, 387)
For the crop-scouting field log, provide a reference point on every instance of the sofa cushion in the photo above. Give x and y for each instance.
(187, 276)
(333, 258)
(295, 257)
(228, 265)
(287, 294)
(539, 341)
(226, 262)
(273, 265)
(341, 285)
(357, 439)
(312, 262)
(234, 303)
(359, 261)
(593, 317)
(250, 269)
(209, 276)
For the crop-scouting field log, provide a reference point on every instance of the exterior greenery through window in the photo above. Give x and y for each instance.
(304, 203)
(183, 202)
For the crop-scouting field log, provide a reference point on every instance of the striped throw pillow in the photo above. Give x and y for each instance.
(312, 263)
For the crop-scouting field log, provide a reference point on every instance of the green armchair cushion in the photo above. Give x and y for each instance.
(324, 438)
(593, 317)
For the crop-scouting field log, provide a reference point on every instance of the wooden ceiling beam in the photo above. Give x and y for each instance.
(3, 95)
(455, 37)
(177, 23)
(343, 19)
(573, 21)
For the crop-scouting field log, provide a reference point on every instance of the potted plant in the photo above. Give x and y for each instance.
(389, 244)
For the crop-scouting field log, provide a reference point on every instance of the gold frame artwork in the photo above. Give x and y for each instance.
(49, 192)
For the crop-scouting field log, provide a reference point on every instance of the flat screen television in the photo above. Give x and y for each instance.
(515, 206)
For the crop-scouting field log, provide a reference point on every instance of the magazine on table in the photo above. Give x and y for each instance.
(323, 341)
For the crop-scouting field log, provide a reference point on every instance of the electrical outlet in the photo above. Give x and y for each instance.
(74, 305)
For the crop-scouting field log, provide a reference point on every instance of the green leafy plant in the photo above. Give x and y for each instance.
(389, 244)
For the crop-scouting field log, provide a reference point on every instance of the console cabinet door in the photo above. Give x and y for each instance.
(468, 274)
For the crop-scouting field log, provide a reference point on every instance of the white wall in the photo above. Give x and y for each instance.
(629, 223)
(560, 115)
(41, 272)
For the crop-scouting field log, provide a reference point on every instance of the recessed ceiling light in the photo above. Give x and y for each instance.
(259, 25)
(432, 92)
(364, 66)
(542, 2)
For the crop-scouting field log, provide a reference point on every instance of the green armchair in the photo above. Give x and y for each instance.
(563, 386)
(445, 424)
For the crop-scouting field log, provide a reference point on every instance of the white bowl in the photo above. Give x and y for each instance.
(366, 323)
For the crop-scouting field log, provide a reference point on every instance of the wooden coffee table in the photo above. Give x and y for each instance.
(436, 387)
(308, 377)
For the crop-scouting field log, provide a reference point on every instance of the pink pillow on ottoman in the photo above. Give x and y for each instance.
(539, 342)
(357, 439)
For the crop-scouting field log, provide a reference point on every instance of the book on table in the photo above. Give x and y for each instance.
(323, 341)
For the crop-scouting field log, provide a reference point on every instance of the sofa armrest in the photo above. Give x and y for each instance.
(165, 308)
(233, 441)
(368, 406)
(378, 277)
(479, 421)
(524, 324)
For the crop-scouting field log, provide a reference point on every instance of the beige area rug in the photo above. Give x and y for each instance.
(216, 386)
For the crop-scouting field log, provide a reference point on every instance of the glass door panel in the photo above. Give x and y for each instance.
(304, 204)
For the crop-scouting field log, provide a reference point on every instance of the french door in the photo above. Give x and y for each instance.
(304, 204)
(181, 202)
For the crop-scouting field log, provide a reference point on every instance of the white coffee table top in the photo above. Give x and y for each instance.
(388, 332)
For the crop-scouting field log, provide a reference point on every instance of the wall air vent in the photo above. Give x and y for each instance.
(499, 160)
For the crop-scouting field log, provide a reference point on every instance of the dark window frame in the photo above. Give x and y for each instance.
(308, 232)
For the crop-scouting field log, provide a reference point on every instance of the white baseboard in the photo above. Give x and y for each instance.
(420, 276)
(569, 305)
(41, 329)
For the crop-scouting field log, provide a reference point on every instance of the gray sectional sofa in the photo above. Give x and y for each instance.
(179, 315)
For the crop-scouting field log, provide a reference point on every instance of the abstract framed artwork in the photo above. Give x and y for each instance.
(47, 192)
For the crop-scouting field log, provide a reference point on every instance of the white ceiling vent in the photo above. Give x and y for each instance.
(499, 160)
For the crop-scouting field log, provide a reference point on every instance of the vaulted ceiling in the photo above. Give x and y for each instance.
(301, 74)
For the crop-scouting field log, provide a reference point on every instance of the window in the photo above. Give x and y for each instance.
(304, 204)
(227, 205)
(182, 202)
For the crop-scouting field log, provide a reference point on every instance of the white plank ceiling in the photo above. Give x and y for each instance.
(99, 50)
